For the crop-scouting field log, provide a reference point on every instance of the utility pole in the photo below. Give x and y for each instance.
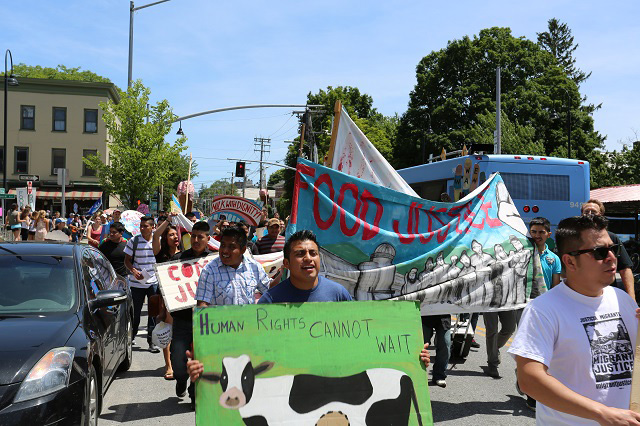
(231, 181)
(265, 144)
(498, 147)
(244, 183)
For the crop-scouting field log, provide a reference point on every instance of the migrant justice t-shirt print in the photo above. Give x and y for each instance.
(611, 349)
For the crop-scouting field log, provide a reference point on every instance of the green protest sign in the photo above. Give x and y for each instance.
(311, 364)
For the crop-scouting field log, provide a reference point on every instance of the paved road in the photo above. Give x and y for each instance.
(142, 397)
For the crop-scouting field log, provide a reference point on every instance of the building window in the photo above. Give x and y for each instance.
(58, 159)
(86, 170)
(59, 119)
(91, 121)
(22, 160)
(27, 117)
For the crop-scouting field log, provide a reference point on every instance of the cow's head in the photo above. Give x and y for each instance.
(237, 380)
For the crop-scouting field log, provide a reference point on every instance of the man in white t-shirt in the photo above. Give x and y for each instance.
(139, 261)
(574, 346)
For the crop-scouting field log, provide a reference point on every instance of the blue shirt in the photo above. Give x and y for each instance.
(550, 265)
(325, 291)
(220, 284)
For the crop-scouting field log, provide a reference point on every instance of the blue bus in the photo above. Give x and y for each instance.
(554, 188)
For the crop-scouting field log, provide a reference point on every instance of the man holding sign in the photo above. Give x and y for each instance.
(574, 346)
(182, 319)
(302, 259)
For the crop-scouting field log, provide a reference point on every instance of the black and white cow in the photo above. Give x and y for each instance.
(377, 396)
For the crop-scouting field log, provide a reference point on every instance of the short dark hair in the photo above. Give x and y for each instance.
(223, 217)
(201, 226)
(162, 218)
(540, 221)
(146, 219)
(118, 226)
(302, 235)
(568, 234)
(190, 215)
(236, 233)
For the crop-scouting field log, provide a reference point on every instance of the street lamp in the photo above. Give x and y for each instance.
(180, 132)
(9, 80)
(131, 10)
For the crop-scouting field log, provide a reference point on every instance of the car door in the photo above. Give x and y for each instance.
(111, 281)
(102, 319)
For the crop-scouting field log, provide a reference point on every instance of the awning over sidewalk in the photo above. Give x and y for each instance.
(619, 200)
(69, 195)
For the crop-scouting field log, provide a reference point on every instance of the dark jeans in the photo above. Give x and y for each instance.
(24, 234)
(138, 295)
(442, 326)
(181, 341)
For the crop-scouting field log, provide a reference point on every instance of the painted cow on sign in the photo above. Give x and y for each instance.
(377, 396)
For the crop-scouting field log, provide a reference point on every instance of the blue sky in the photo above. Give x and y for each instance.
(202, 55)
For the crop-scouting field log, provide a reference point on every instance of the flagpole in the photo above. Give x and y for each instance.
(186, 199)
(334, 133)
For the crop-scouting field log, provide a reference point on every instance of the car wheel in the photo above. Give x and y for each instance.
(92, 399)
(128, 357)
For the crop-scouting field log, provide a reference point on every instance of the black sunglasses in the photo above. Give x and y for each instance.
(599, 253)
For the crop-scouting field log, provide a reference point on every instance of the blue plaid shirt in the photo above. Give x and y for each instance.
(220, 284)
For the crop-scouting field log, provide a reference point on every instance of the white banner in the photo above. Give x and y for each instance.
(24, 198)
(179, 279)
(355, 155)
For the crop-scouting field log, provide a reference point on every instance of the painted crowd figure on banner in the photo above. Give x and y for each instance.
(461, 256)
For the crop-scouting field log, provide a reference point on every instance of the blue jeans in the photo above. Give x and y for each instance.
(138, 295)
(181, 341)
(442, 326)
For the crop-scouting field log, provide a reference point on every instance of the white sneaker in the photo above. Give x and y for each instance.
(442, 383)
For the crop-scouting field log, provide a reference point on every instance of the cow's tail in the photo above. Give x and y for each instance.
(414, 398)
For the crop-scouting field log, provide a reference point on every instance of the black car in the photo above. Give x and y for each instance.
(65, 329)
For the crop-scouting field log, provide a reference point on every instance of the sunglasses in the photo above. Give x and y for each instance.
(599, 253)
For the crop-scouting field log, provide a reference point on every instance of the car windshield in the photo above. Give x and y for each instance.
(36, 284)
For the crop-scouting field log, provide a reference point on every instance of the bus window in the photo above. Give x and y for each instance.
(537, 187)
(430, 190)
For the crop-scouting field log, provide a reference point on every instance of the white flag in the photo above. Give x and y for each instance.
(355, 155)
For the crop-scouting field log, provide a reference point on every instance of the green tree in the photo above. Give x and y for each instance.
(380, 130)
(276, 177)
(60, 72)
(558, 41)
(139, 158)
(455, 94)
(219, 187)
(178, 171)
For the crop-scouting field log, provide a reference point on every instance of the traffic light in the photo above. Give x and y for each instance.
(240, 169)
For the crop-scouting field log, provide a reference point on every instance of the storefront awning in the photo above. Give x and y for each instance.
(69, 195)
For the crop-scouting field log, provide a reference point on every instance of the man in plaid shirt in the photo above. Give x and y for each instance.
(231, 279)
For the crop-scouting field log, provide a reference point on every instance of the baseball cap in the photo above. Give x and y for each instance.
(58, 220)
(273, 221)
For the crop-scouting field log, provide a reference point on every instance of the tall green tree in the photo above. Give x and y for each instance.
(139, 157)
(558, 41)
(380, 130)
(455, 93)
(60, 72)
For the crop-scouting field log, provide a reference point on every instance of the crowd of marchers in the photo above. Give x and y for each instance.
(567, 340)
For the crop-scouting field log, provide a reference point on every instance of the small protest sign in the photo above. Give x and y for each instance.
(248, 210)
(179, 279)
(311, 363)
